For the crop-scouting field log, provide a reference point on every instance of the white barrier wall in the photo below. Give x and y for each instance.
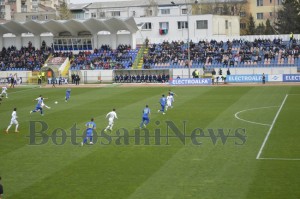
(184, 72)
(23, 74)
(94, 76)
(107, 75)
(258, 70)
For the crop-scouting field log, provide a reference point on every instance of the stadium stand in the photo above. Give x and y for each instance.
(203, 54)
(105, 58)
(213, 54)
(27, 58)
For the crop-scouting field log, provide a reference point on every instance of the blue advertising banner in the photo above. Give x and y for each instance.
(245, 78)
(291, 78)
(191, 81)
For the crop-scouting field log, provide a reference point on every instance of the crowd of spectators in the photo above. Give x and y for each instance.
(105, 58)
(174, 54)
(26, 58)
(222, 54)
(142, 78)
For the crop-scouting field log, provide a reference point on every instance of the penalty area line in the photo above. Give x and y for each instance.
(291, 159)
(271, 127)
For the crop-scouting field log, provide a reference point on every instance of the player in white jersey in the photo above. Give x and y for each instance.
(13, 121)
(43, 104)
(4, 89)
(111, 116)
(170, 100)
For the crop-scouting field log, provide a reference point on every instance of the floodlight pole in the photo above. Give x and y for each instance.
(188, 33)
(188, 38)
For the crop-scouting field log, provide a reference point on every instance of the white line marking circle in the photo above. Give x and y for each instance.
(236, 115)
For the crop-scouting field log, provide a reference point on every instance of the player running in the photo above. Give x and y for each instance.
(13, 121)
(170, 100)
(4, 91)
(90, 127)
(38, 107)
(162, 102)
(43, 104)
(111, 117)
(68, 94)
(145, 119)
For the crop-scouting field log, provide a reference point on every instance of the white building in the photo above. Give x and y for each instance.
(162, 20)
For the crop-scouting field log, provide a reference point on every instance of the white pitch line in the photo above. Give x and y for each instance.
(271, 127)
(23, 90)
(237, 117)
(291, 159)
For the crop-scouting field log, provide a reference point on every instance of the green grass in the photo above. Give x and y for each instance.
(169, 170)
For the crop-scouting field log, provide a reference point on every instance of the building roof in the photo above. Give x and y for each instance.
(146, 3)
(73, 26)
(80, 6)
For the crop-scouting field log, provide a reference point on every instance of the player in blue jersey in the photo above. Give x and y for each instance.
(38, 107)
(90, 127)
(68, 94)
(162, 102)
(145, 119)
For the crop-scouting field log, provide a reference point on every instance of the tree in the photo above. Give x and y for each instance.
(251, 26)
(269, 30)
(64, 11)
(226, 10)
(260, 29)
(288, 17)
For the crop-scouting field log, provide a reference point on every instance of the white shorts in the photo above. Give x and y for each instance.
(14, 122)
(169, 103)
(110, 121)
(3, 92)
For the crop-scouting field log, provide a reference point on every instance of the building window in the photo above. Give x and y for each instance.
(149, 12)
(23, 8)
(242, 14)
(184, 11)
(115, 13)
(46, 17)
(102, 14)
(202, 24)
(271, 14)
(147, 26)
(271, 1)
(164, 25)
(226, 24)
(242, 25)
(182, 25)
(260, 15)
(259, 2)
(34, 17)
(165, 11)
(93, 15)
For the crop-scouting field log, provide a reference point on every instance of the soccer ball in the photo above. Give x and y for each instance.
(56, 102)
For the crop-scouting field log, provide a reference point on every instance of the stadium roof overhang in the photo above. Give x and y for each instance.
(72, 26)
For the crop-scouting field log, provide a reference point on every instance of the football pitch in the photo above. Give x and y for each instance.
(216, 142)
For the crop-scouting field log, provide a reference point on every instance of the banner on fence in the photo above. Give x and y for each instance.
(245, 78)
(275, 78)
(291, 78)
(191, 81)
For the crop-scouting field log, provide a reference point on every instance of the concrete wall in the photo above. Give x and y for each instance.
(107, 75)
(24, 74)
(257, 71)
(93, 76)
